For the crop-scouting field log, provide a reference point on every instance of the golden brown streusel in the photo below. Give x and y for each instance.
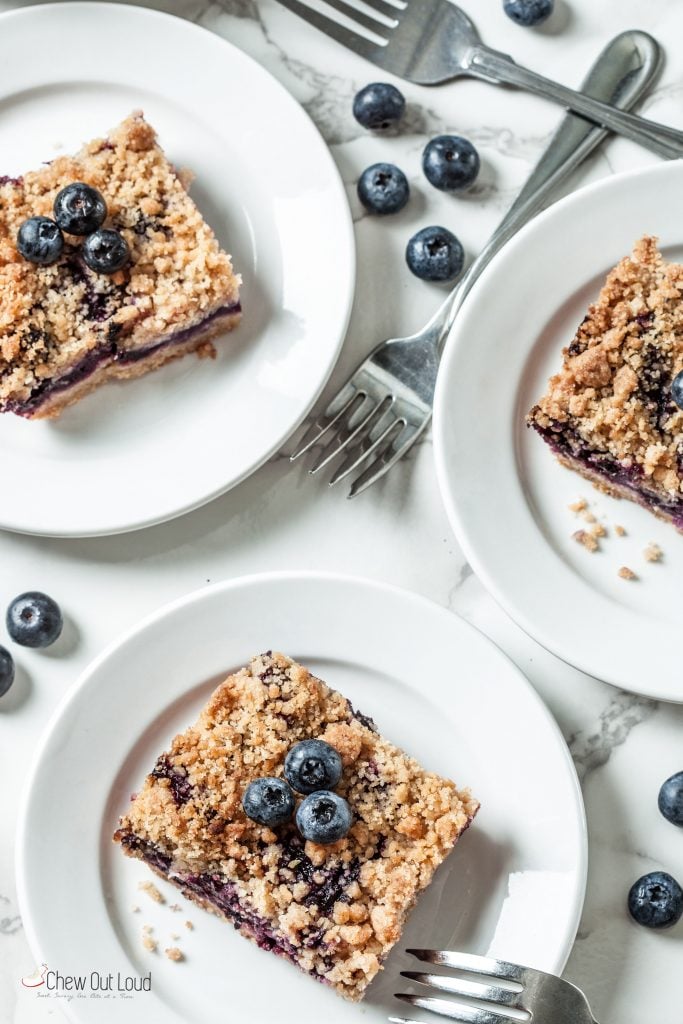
(53, 318)
(334, 910)
(608, 413)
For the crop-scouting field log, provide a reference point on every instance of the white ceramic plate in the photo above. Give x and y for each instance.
(514, 886)
(138, 453)
(504, 492)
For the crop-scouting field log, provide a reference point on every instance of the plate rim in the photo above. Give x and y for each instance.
(315, 578)
(447, 487)
(349, 263)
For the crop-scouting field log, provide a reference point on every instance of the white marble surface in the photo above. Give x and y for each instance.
(624, 746)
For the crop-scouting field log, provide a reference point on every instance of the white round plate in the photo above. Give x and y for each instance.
(133, 454)
(506, 496)
(513, 887)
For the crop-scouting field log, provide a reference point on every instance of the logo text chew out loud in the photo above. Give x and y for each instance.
(96, 982)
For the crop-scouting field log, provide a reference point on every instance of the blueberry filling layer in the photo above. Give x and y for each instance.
(106, 353)
(223, 895)
(567, 443)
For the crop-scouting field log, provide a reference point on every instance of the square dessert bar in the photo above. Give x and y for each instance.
(609, 413)
(65, 329)
(335, 911)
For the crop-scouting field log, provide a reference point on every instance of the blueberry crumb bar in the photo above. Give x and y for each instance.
(333, 910)
(609, 413)
(65, 329)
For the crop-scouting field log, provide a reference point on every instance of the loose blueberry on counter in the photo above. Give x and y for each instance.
(528, 12)
(106, 251)
(450, 163)
(79, 208)
(34, 620)
(656, 900)
(378, 106)
(435, 254)
(311, 765)
(40, 241)
(677, 389)
(323, 817)
(6, 670)
(671, 799)
(268, 801)
(383, 188)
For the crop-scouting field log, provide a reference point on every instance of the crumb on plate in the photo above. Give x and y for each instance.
(152, 891)
(653, 553)
(189, 925)
(148, 942)
(627, 574)
(173, 953)
(175, 907)
(578, 506)
(620, 531)
(587, 539)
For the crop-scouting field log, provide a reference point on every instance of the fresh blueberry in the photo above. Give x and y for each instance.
(268, 801)
(34, 620)
(528, 12)
(40, 240)
(671, 799)
(79, 209)
(656, 900)
(312, 765)
(106, 251)
(6, 671)
(378, 106)
(323, 817)
(677, 389)
(383, 188)
(435, 254)
(450, 163)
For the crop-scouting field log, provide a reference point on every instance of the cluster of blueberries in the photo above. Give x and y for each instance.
(656, 899)
(312, 768)
(450, 163)
(79, 209)
(33, 620)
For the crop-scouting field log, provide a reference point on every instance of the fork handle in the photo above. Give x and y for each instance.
(491, 64)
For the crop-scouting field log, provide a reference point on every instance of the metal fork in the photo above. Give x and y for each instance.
(544, 998)
(387, 403)
(432, 41)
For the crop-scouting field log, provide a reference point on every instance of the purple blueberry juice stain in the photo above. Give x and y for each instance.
(181, 787)
(6, 180)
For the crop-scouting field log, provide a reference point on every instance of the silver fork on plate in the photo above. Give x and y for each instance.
(387, 402)
(432, 41)
(544, 998)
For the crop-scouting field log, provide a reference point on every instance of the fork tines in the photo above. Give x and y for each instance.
(493, 999)
(353, 38)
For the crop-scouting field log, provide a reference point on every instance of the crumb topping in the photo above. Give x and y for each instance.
(52, 317)
(620, 531)
(627, 574)
(175, 954)
(336, 910)
(612, 395)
